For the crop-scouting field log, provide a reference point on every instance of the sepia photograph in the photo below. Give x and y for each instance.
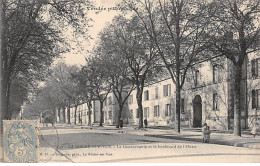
(130, 81)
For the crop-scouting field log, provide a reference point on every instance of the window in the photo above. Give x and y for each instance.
(156, 111)
(137, 113)
(146, 112)
(146, 95)
(215, 101)
(109, 100)
(255, 64)
(168, 110)
(167, 90)
(156, 93)
(255, 98)
(130, 100)
(182, 106)
(196, 81)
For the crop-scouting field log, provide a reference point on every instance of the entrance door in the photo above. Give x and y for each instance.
(197, 111)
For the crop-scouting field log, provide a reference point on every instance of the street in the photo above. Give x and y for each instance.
(113, 145)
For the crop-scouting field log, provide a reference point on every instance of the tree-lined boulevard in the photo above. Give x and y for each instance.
(159, 37)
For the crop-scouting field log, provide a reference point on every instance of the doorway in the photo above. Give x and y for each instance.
(197, 111)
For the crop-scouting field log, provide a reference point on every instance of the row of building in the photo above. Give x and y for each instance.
(207, 96)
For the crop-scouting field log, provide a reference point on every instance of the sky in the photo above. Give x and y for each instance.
(99, 21)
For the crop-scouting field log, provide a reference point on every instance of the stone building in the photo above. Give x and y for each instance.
(206, 97)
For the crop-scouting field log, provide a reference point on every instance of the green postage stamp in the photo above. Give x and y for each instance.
(20, 141)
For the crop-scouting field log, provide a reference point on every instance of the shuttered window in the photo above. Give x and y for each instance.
(255, 68)
(167, 109)
(156, 93)
(146, 95)
(255, 98)
(167, 90)
(146, 112)
(156, 111)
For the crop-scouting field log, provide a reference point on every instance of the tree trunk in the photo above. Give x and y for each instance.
(178, 64)
(89, 114)
(64, 114)
(237, 111)
(79, 117)
(101, 114)
(68, 114)
(9, 112)
(139, 94)
(2, 89)
(58, 115)
(75, 115)
(177, 127)
(119, 116)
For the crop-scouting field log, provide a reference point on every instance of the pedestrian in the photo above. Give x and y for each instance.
(206, 133)
(121, 123)
(145, 123)
(254, 130)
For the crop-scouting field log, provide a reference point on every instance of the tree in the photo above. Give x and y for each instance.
(101, 88)
(64, 78)
(177, 29)
(31, 37)
(41, 103)
(116, 70)
(18, 94)
(234, 32)
(86, 80)
(127, 37)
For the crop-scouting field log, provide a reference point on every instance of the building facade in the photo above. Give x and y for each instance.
(206, 97)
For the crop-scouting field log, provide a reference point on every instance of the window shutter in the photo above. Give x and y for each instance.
(154, 111)
(253, 67)
(169, 90)
(158, 111)
(156, 93)
(253, 99)
(257, 98)
(164, 90)
(256, 67)
(166, 110)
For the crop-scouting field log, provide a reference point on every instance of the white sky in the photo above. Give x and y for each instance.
(99, 22)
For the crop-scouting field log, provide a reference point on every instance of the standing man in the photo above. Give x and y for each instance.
(145, 122)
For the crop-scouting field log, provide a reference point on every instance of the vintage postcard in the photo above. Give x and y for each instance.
(130, 81)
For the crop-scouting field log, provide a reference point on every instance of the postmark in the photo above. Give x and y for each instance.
(20, 141)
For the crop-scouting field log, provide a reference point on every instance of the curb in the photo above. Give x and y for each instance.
(212, 141)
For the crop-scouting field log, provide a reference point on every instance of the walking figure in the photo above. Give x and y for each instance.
(121, 123)
(145, 123)
(206, 133)
(254, 130)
